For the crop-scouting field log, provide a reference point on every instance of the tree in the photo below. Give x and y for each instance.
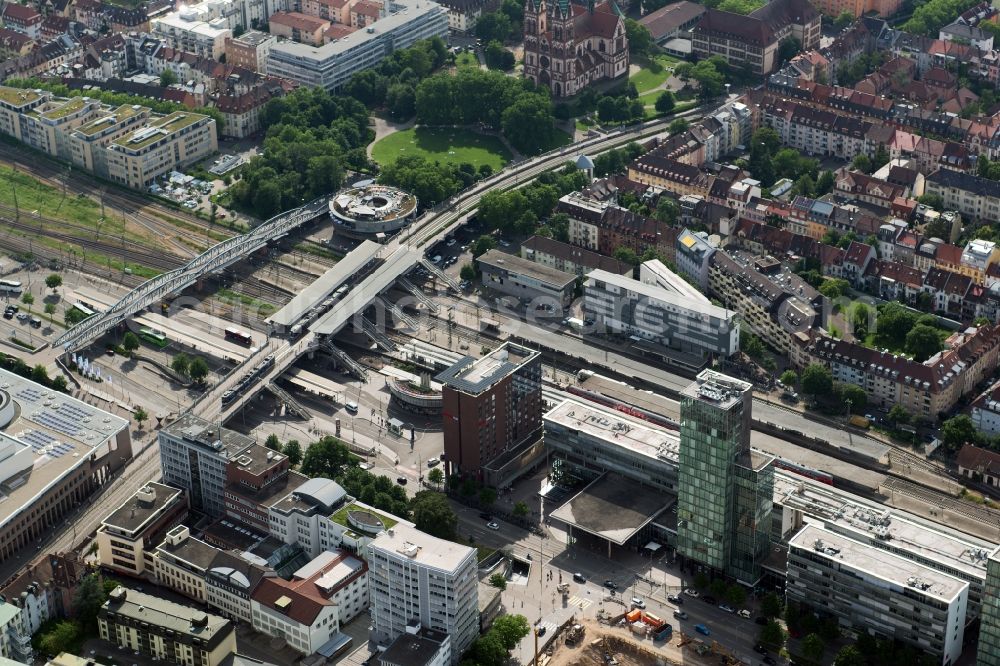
(499, 581)
(60, 384)
(62, 636)
(854, 396)
(484, 243)
(626, 255)
(88, 599)
(50, 309)
(28, 300)
(510, 629)
(710, 80)
(678, 125)
(665, 102)
(326, 458)
(923, 342)
(167, 78)
(894, 322)
(433, 514)
(401, 101)
(521, 510)
(898, 415)
(824, 185)
(666, 210)
(736, 595)
(934, 201)
(181, 364)
(843, 20)
(772, 635)
(862, 163)
(718, 588)
(753, 347)
(813, 647)
(130, 342)
(487, 497)
(788, 48)
(528, 123)
(789, 378)
(293, 450)
(39, 374)
(770, 605)
(817, 380)
(849, 655)
(493, 27)
(272, 442)
(488, 650)
(468, 272)
(53, 282)
(436, 476)
(140, 416)
(198, 369)
(640, 40)
(861, 317)
(497, 57)
(958, 431)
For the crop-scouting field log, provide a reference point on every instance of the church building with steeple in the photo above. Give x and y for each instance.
(568, 46)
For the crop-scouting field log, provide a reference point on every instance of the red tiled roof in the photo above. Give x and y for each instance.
(980, 460)
(21, 13)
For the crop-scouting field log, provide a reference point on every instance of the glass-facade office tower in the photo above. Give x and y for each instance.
(989, 624)
(724, 489)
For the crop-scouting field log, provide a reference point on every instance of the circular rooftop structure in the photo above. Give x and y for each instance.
(372, 208)
(366, 521)
(8, 409)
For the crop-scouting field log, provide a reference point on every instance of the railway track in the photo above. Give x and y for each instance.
(24, 246)
(124, 250)
(946, 502)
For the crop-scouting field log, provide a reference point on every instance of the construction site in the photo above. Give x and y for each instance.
(630, 640)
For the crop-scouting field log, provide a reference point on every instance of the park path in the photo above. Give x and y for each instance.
(384, 128)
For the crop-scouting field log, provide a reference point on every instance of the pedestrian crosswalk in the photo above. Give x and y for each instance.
(579, 602)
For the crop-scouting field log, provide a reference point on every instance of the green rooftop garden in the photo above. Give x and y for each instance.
(123, 112)
(17, 96)
(174, 122)
(340, 517)
(70, 106)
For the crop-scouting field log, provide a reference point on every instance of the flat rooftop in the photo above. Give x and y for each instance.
(193, 551)
(325, 284)
(661, 295)
(876, 562)
(648, 401)
(719, 390)
(253, 38)
(258, 459)
(423, 548)
(617, 429)
(157, 129)
(474, 376)
(18, 96)
(515, 264)
(123, 112)
(610, 507)
(161, 613)
(198, 431)
(865, 520)
(142, 507)
(60, 108)
(49, 435)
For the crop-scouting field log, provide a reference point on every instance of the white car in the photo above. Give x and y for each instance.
(451, 241)
(431, 462)
(744, 613)
(728, 609)
(692, 593)
(493, 525)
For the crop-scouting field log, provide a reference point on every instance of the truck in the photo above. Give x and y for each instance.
(664, 633)
(859, 422)
(574, 323)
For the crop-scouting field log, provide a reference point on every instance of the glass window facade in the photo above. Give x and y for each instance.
(989, 628)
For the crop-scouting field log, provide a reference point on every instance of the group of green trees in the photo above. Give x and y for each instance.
(292, 449)
(493, 648)
(38, 373)
(392, 83)
(513, 106)
(501, 25)
(929, 16)
(194, 368)
(769, 161)
(617, 159)
(310, 137)
(431, 182)
(523, 210)
(710, 73)
(816, 380)
(960, 430)
(68, 635)
(898, 328)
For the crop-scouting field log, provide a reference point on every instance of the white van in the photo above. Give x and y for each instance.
(351, 407)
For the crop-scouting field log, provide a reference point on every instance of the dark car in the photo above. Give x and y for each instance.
(401, 480)
(760, 649)
(579, 578)
(769, 661)
(710, 600)
(611, 585)
(675, 599)
(540, 630)
(680, 615)
(485, 516)
(8, 314)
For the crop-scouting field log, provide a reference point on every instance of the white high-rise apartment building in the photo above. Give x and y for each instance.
(413, 575)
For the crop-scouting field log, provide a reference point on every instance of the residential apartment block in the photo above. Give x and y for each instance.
(492, 413)
(869, 589)
(752, 41)
(414, 576)
(525, 280)
(569, 258)
(924, 389)
(182, 562)
(332, 64)
(163, 630)
(198, 29)
(128, 144)
(127, 537)
(660, 321)
(250, 50)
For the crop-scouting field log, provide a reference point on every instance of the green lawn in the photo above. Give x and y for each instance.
(466, 59)
(444, 145)
(647, 78)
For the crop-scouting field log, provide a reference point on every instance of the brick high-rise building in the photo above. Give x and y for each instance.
(492, 406)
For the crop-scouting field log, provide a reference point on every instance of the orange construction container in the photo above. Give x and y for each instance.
(634, 615)
(652, 620)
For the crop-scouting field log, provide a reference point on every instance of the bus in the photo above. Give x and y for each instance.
(154, 337)
(10, 286)
(238, 336)
(85, 308)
